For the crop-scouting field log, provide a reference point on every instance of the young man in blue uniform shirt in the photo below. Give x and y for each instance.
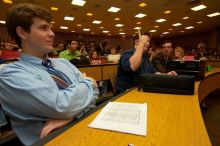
(29, 94)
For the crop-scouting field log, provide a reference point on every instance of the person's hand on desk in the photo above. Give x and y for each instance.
(52, 125)
(172, 73)
(90, 78)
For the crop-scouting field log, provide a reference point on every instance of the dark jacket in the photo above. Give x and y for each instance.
(160, 63)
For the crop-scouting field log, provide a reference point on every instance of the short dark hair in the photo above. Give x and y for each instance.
(22, 15)
(136, 37)
(165, 41)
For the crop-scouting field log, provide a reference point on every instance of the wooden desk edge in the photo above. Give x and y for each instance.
(61, 130)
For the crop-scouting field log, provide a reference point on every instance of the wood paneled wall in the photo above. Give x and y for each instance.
(210, 38)
(192, 40)
(124, 42)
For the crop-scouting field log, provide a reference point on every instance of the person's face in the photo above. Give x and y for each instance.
(94, 55)
(40, 38)
(147, 45)
(73, 46)
(8, 46)
(177, 54)
(167, 49)
(113, 51)
(60, 47)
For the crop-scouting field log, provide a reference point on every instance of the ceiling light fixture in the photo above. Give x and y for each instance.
(63, 27)
(165, 32)
(153, 30)
(78, 2)
(199, 7)
(199, 22)
(105, 31)
(116, 19)
(89, 14)
(142, 4)
(176, 24)
(86, 29)
(54, 8)
(167, 12)
(189, 27)
(113, 9)
(122, 33)
(69, 18)
(7, 1)
(119, 25)
(2, 22)
(140, 15)
(213, 14)
(185, 18)
(96, 22)
(161, 20)
(137, 28)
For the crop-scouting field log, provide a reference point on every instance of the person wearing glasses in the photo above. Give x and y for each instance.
(160, 60)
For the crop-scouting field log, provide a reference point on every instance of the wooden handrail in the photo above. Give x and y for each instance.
(208, 85)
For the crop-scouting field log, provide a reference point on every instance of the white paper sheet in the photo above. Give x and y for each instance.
(122, 117)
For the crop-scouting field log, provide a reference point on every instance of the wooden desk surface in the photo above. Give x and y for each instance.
(99, 72)
(214, 70)
(172, 120)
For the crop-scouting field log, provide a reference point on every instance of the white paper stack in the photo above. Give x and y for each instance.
(122, 117)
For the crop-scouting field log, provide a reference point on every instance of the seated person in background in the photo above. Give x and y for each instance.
(39, 93)
(104, 48)
(214, 55)
(83, 51)
(10, 52)
(119, 49)
(179, 53)
(133, 63)
(160, 60)
(71, 52)
(113, 57)
(191, 52)
(83, 59)
(95, 59)
(60, 48)
(202, 54)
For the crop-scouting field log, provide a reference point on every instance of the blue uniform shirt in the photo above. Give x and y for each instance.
(30, 96)
(126, 77)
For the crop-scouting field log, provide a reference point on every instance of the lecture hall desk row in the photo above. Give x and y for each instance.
(172, 120)
(99, 72)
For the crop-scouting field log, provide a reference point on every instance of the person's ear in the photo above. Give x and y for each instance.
(136, 42)
(21, 32)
